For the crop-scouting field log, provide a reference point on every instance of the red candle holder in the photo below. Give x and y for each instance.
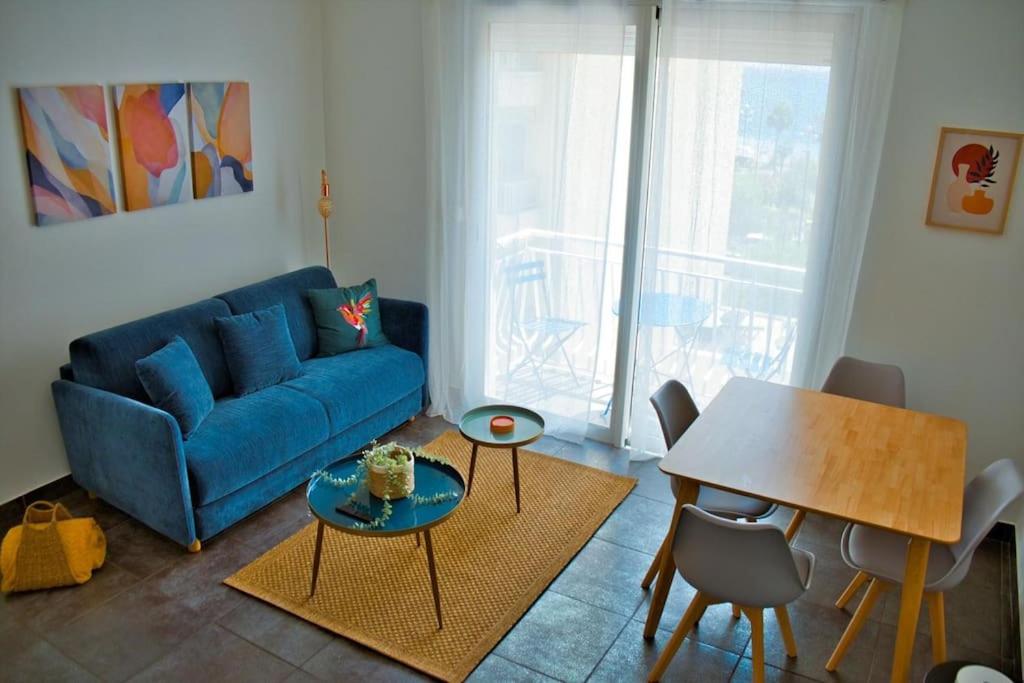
(503, 424)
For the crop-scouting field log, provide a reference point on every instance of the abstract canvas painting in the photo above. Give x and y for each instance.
(972, 182)
(67, 145)
(152, 126)
(221, 140)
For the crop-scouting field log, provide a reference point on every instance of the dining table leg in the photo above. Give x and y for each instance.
(910, 607)
(688, 490)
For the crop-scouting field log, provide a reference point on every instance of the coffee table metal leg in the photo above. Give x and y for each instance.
(316, 556)
(472, 468)
(515, 474)
(433, 577)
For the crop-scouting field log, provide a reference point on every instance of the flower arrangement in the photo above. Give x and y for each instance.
(387, 471)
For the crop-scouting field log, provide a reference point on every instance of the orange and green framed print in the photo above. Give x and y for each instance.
(221, 139)
(152, 125)
(67, 146)
(972, 182)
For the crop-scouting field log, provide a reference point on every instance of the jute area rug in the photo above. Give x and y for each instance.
(492, 563)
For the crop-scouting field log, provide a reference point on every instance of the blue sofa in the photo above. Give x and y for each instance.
(249, 450)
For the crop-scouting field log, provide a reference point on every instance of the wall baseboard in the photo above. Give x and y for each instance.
(12, 511)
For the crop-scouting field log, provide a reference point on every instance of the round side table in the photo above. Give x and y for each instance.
(476, 428)
(326, 501)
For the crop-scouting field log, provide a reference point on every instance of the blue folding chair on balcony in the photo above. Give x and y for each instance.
(532, 324)
(753, 351)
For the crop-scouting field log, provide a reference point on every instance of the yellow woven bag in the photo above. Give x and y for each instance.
(50, 549)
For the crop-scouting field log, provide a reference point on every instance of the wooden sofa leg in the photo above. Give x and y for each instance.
(91, 494)
(195, 546)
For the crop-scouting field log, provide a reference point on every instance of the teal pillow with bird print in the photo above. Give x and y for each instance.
(347, 318)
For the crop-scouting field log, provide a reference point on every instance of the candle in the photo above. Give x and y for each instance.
(502, 424)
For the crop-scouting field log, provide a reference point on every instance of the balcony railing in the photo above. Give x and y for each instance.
(731, 317)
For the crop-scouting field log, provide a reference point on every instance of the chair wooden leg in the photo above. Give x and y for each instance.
(794, 525)
(652, 571)
(937, 613)
(875, 589)
(756, 617)
(735, 611)
(782, 616)
(687, 493)
(852, 589)
(696, 608)
(700, 615)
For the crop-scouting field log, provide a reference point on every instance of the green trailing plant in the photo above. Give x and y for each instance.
(392, 458)
(435, 499)
(338, 482)
(423, 455)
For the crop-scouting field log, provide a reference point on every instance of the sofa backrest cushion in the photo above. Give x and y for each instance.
(106, 359)
(288, 290)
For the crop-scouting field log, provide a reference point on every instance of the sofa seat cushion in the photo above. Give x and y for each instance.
(245, 438)
(353, 386)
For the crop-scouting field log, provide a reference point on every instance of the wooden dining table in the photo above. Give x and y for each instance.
(862, 462)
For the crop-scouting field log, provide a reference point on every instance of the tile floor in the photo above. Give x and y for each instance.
(157, 613)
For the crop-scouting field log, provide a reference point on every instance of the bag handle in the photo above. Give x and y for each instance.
(45, 512)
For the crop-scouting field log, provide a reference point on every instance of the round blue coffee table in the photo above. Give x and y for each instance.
(328, 504)
(476, 428)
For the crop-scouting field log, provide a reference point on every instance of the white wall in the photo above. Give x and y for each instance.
(59, 282)
(375, 130)
(946, 305)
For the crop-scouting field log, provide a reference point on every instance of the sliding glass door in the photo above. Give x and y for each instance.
(741, 209)
(560, 111)
(628, 197)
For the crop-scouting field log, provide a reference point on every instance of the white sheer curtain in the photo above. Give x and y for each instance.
(529, 108)
(769, 121)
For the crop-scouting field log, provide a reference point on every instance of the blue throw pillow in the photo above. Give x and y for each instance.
(174, 382)
(258, 348)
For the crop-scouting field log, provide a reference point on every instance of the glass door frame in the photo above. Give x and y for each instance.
(641, 136)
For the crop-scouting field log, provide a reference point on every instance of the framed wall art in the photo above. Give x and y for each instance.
(972, 183)
(221, 139)
(67, 148)
(152, 124)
